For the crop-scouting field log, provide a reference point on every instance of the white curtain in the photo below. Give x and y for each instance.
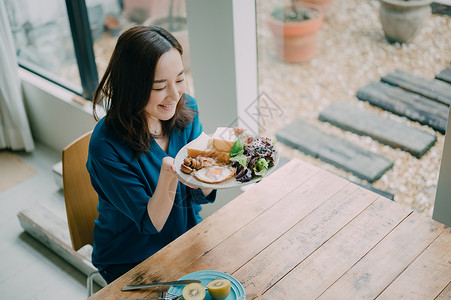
(15, 132)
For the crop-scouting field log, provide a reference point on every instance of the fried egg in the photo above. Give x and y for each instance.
(214, 174)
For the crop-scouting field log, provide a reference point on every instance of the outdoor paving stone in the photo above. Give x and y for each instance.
(410, 105)
(434, 89)
(445, 75)
(386, 131)
(383, 193)
(441, 8)
(336, 151)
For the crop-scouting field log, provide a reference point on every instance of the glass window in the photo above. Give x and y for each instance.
(45, 43)
(118, 16)
(347, 54)
(43, 40)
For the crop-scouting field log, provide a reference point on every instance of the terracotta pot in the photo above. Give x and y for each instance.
(324, 4)
(296, 41)
(402, 20)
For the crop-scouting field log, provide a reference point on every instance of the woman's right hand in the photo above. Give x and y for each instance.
(160, 204)
(168, 167)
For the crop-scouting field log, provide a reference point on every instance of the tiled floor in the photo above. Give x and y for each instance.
(28, 269)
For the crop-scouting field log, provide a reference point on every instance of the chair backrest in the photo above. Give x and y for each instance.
(79, 195)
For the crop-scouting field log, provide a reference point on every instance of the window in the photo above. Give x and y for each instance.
(352, 52)
(70, 42)
(43, 40)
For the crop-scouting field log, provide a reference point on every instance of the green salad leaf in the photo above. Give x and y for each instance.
(241, 159)
(237, 149)
(261, 167)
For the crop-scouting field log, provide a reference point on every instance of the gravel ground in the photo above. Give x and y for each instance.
(351, 52)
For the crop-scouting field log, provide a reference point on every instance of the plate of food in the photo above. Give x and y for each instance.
(226, 159)
(213, 285)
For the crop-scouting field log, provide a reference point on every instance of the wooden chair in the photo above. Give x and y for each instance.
(80, 197)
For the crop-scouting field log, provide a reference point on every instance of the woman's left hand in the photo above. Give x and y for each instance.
(189, 185)
(205, 191)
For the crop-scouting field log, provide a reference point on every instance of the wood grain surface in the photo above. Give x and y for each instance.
(304, 233)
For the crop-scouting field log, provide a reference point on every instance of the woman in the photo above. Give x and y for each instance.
(149, 118)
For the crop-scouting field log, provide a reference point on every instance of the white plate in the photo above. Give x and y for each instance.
(230, 183)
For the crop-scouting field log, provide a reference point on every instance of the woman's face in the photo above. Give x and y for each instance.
(168, 86)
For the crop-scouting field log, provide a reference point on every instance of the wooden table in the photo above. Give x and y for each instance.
(304, 233)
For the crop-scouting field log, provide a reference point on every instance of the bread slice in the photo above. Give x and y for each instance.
(220, 156)
(202, 146)
(224, 138)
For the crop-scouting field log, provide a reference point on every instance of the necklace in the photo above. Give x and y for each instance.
(154, 130)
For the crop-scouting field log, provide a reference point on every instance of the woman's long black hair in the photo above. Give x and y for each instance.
(126, 85)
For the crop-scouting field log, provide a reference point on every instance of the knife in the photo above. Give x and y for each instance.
(169, 283)
(156, 297)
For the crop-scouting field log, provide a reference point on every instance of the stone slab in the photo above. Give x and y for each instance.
(434, 89)
(444, 75)
(386, 131)
(410, 105)
(336, 151)
(383, 193)
(441, 7)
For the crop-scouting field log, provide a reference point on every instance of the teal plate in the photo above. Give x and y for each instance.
(236, 289)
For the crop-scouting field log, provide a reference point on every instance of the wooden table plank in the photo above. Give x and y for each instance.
(445, 294)
(169, 262)
(269, 266)
(302, 233)
(427, 276)
(236, 250)
(375, 271)
(322, 268)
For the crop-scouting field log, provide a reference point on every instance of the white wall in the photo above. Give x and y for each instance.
(55, 119)
(223, 49)
(442, 206)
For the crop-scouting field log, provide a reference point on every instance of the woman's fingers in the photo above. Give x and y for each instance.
(191, 186)
(167, 164)
(188, 185)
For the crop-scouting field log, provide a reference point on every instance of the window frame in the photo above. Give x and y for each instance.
(83, 46)
(84, 53)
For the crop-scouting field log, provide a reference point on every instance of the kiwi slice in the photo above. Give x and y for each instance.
(219, 289)
(194, 291)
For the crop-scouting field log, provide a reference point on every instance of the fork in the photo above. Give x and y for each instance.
(161, 295)
(173, 296)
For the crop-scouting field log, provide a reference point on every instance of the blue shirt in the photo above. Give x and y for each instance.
(123, 232)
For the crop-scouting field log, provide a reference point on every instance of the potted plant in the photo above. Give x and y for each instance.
(402, 19)
(295, 28)
(324, 4)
